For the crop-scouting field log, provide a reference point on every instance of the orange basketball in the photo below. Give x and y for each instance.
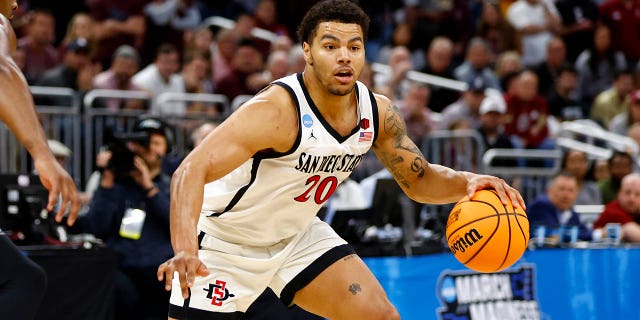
(485, 235)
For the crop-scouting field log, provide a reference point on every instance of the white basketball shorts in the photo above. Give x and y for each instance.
(239, 273)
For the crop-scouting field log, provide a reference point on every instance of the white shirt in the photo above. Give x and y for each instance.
(150, 79)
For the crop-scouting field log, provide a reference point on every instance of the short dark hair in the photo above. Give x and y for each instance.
(343, 11)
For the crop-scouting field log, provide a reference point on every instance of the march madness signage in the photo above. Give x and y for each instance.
(505, 295)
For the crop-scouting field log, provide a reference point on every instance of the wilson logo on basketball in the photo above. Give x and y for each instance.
(468, 240)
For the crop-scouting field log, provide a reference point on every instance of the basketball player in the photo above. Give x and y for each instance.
(22, 282)
(264, 179)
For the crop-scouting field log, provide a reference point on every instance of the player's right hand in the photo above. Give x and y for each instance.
(187, 265)
(59, 184)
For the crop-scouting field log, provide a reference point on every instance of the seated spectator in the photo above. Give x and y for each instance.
(614, 100)
(527, 113)
(223, 52)
(554, 210)
(247, 60)
(38, 46)
(478, 63)
(124, 65)
(496, 30)
(130, 212)
(402, 37)
(80, 26)
(492, 110)
(625, 209)
(161, 76)
(76, 72)
(598, 66)
(561, 97)
(466, 107)
(549, 69)
(577, 163)
(619, 164)
(395, 83)
(415, 112)
(507, 64)
(621, 123)
(118, 22)
(439, 63)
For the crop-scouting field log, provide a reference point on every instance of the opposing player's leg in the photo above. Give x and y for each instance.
(346, 290)
(22, 283)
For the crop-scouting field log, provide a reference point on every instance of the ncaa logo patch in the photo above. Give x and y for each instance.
(307, 121)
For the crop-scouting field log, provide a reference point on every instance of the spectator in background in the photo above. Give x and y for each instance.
(507, 64)
(554, 210)
(561, 98)
(223, 52)
(265, 17)
(527, 112)
(124, 64)
(247, 61)
(38, 47)
(402, 37)
(278, 66)
(297, 61)
(623, 121)
(579, 19)
(536, 21)
(496, 30)
(492, 110)
(80, 26)
(597, 65)
(167, 22)
(577, 163)
(625, 209)
(76, 72)
(118, 22)
(415, 111)
(613, 100)
(439, 63)
(623, 18)
(196, 78)
(478, 63)
(619, 164)
(549, 69)
(161, 76)
(395, 82)
(201, 132)
(634, 132)
(466, 108)
(130, 212)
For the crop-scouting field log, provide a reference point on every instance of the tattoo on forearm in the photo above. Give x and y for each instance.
(395, 127)
(355, 288)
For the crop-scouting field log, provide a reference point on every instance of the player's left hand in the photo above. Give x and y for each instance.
(59, 184)
(505, 191)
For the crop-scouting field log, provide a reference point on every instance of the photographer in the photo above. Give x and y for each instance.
(130, 212)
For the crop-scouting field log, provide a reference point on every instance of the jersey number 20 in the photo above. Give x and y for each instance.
(321, 190)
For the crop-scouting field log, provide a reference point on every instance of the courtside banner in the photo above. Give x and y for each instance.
(469, 295)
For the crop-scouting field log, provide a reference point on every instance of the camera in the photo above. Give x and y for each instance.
(121, 162)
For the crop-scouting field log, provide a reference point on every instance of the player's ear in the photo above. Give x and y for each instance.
(306, 49)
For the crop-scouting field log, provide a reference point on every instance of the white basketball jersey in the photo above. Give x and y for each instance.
(274, 196)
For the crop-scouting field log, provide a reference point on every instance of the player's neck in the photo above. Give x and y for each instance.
(329, 104)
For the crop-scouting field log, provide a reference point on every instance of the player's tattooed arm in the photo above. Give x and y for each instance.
(355, 288)
(402, 165)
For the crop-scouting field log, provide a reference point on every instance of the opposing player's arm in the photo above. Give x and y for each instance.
(422, 181)
(266, 122)
(18, 112)
(16, 104)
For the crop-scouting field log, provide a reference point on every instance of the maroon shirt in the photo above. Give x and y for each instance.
(527, 120)
(624, 25)
(613, 213)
